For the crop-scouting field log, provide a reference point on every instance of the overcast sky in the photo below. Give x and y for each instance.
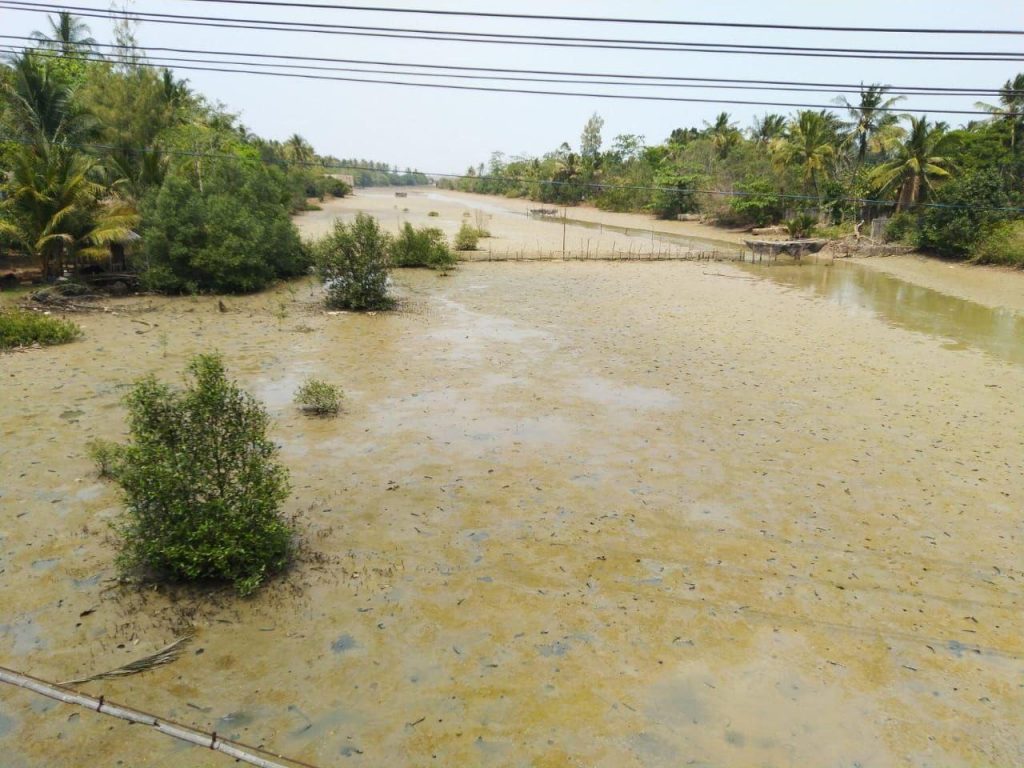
(444, 131)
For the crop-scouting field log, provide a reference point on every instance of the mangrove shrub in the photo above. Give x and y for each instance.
(354, 262)
(422, 247)
(201, 481)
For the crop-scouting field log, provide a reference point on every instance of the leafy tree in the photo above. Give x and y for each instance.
(676, 194)
(757, 203)
(233, 235)
(201, 481)
(972, 205)
(354, 263)
(590, 139)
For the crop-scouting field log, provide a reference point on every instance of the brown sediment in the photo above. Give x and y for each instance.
(599, 514)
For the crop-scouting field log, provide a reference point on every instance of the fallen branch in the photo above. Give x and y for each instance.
(164, 656)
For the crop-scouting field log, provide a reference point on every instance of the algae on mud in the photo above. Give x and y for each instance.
(596, 514)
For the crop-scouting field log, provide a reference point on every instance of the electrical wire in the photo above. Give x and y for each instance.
(629, 79)
(536, 91)
(617, 20)
(341, 166)
(515, 39)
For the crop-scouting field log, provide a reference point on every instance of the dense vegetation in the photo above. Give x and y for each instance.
(21, 328)
(951, 191)
(367, 173)
(421, 247)
(96, 151)
(318, 397)
(202, 485)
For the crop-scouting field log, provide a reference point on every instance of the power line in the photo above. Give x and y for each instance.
(613, 20)
(341, 166)
(704, 82)
(534, 91)
(534, 40)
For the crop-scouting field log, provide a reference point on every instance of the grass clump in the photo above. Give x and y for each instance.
(800, 226)
(201, 481)
(422, 247)
(106, 455)
(319, 398)
(354, 261)
(467, 238)
(1003, 245)
(21, 328)
(433, 214)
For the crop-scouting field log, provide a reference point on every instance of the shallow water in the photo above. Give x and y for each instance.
(572, 514)
(963, 324)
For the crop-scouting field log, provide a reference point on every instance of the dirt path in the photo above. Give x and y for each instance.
(601, 514)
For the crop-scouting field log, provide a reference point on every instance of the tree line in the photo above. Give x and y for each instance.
(100, 150)
(948, 190)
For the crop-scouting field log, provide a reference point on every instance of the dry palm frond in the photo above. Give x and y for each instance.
(164, 656)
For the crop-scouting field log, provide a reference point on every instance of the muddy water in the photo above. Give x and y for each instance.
(963, 323)
(573, 514)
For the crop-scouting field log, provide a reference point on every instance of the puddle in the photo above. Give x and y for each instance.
(965, 324)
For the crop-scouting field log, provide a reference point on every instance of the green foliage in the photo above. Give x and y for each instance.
(354, 263)
(902, 228)
(1004, 244)
(422, 247)
(433, 214)
(202, 486)
(338, 188)
(801, 225)
(757, 203)
(231, 234)
(319, 398)
(677, 194)
(21, 328)
(966, 211)
(466, 239)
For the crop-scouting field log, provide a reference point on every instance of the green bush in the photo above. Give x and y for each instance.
(902, 228)
(757, 204)
(338, 188)
(1003, 245)
(467, 237)
(676, 194)
(968, 209)
(202, 486)
(433, 214)
(106, 455)
(354, 262)
(423, 247)
(318, 397)
(21, 328)
(231, 234)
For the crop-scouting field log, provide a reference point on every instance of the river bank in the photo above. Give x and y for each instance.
(990, 286)
(594, 513)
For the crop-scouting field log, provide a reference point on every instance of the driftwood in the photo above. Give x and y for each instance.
(240, 752)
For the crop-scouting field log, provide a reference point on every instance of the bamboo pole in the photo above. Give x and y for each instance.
(211, 741)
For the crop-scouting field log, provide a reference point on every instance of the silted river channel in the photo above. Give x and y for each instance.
(573, 513)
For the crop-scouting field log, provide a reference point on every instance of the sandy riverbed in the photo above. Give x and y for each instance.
(595, 514)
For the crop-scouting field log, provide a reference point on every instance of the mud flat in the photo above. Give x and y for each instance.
(601, 514)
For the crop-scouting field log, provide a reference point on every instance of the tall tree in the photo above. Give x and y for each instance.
(723, 134)
(1010, 108)
(811, 144)
(921, 159)
(870, 116)
(768, 129)
(67, 34)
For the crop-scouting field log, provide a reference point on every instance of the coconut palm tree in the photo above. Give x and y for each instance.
(768, 129)
(723, 134)
(298, 149)
(919, 161)
(52, 209)
(67, 34)
(811, 143)
(870, 116)
(40, 102)
(1010, 107)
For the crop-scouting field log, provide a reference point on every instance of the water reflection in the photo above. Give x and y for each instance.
(998, 331)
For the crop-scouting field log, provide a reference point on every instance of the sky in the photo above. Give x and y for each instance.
(446, 131)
